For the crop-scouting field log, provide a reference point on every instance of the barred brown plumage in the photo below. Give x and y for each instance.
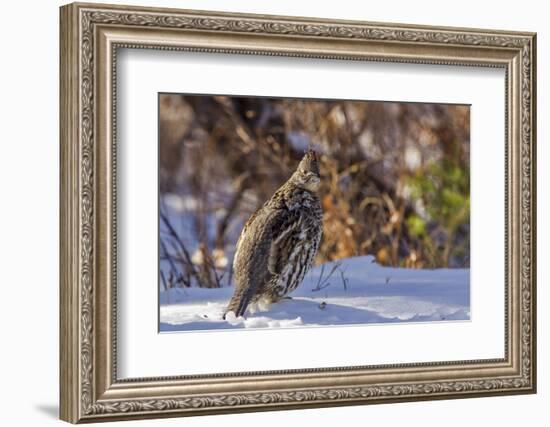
(279, 241)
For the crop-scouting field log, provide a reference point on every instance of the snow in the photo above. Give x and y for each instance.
(351, 291)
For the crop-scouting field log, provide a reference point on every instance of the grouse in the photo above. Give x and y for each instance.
(279, 241)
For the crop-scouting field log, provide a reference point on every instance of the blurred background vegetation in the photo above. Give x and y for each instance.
(395, 179)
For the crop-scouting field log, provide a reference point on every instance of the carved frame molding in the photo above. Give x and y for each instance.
(90, 37)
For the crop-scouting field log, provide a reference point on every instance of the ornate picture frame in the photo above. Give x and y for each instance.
(90, 37)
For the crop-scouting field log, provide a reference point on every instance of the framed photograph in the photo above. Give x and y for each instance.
(266, 212)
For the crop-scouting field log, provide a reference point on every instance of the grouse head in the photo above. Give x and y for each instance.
(307, 175)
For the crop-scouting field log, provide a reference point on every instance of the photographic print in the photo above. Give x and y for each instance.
(270, 182)
(281, 212)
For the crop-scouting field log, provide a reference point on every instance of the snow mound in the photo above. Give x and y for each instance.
(350, 291)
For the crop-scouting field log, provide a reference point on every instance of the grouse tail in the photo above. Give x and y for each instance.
(238, 304)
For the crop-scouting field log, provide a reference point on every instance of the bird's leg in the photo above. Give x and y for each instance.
(264, 304)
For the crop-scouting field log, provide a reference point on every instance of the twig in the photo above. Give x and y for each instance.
(176, 238)
(223, 224)
(323, 283)
(167, 256)
(320, 276)
(163, 280)
(344, 280)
